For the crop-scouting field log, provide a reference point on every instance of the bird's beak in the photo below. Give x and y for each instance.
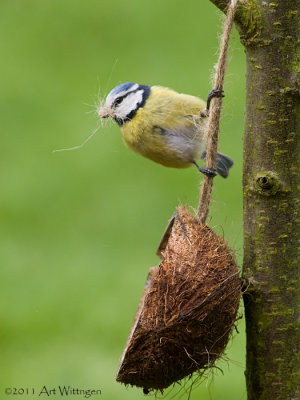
(105, 112)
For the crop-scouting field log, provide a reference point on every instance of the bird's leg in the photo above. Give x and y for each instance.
(211, 95)
(205, 171)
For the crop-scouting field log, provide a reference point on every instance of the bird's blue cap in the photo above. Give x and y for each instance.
(122, 88)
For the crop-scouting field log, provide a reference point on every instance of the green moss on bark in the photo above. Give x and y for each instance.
(270, 32)
(271, 206)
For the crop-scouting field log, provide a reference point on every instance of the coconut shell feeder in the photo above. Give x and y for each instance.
(187, 310)
(190, 300)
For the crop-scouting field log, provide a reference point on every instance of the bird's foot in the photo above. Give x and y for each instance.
(206, 171)
(211, 95)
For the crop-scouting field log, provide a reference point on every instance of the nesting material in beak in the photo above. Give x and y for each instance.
(104, 112)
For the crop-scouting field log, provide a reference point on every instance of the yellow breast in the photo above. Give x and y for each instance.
(150, 131)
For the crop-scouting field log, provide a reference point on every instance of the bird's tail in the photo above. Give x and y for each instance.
(224, 163)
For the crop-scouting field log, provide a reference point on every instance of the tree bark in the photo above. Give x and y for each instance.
(269, 32)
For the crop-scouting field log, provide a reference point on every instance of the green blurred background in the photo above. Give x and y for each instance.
(79, 229)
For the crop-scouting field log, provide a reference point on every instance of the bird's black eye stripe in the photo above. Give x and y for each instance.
(117, 101)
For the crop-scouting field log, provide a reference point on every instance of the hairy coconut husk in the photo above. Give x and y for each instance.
(187, 310)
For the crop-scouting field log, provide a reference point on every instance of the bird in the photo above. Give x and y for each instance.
(164, 126)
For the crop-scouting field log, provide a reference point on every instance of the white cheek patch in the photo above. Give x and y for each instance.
(129, 104)
(112, 96)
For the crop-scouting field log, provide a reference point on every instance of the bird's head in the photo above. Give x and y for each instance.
(123, 101)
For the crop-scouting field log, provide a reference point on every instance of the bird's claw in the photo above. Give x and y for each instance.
(205, 171)
(208, 172)
(212, 94)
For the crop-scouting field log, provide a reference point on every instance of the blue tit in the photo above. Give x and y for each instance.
(165, 126)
